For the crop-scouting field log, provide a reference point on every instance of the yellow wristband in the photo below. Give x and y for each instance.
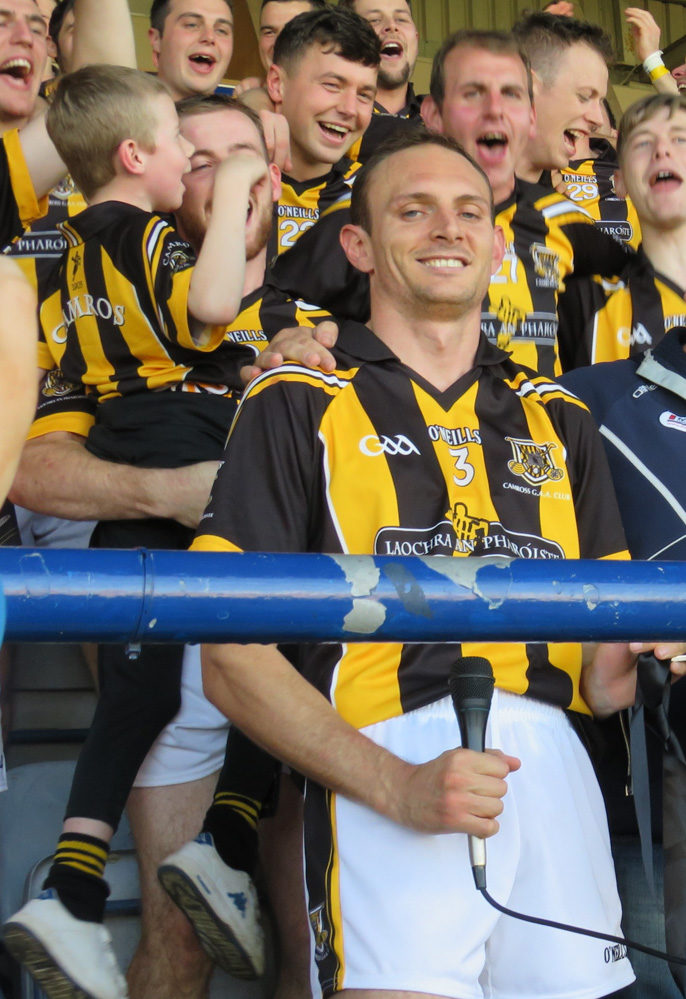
(659, 71)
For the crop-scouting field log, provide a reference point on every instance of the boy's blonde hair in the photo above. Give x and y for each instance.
(93, 111)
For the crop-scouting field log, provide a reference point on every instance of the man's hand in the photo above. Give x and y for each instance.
(608, 677)
(561, 8)
(304, 344)
(246, 84)
(460, 791)
(676, 651)
(277, 138)
(644, 31)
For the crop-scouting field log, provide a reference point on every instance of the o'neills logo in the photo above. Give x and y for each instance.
(533, 462)
(87, 305)
(463, 534)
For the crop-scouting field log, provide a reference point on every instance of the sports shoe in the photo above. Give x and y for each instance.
(221, 904)
(69, 958)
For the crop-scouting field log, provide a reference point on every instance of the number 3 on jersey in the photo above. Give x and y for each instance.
(464, 470)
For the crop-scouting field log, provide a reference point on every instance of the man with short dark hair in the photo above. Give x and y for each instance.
(323, 80)
(392, 905)
(192, 44)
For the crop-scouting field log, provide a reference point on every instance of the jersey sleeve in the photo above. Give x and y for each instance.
(168, 262)
(263, 490)
(62, 406)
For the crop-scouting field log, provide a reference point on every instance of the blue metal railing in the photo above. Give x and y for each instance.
(162, 596)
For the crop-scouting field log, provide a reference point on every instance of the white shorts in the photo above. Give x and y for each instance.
(391, 908)
(192, 745)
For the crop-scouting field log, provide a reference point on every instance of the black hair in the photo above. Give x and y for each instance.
(57, 17)
(160, 10)
(545, 36)
(347, 34)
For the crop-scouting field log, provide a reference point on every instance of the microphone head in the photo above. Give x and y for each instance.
(471, 677)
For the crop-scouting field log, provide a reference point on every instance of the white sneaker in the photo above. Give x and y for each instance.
(69, 958)
(221, 904)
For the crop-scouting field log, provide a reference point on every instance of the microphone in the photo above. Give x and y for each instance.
(471, 685)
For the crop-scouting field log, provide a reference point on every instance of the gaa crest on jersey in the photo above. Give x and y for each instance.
(546, 266)
(179, 260)
(64, 189)
(56, 385)
(533, 462)
(320, 932)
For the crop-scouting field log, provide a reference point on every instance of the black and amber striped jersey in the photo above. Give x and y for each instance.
(302, 202)
(547, 238)
(42, 245)
(20, 204)
(114, 312)
(370, 458)
(590, 184)
(67, 406)
(385, 123)
(636, 316)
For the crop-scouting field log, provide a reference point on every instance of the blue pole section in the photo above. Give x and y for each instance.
(161, 596)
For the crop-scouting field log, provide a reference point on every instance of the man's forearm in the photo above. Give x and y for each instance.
(259, 691)
(58, 477)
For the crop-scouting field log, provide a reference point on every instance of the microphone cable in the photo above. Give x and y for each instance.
(623, 941)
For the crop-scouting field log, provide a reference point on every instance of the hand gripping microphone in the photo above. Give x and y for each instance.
(471, 685)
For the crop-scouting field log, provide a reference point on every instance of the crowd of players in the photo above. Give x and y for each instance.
(443, 431)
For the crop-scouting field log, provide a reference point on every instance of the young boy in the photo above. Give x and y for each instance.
(132, 315)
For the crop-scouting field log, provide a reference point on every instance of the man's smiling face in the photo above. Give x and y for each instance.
(193, 51)
(23, 52)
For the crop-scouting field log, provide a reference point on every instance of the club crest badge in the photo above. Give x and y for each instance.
(533, 462)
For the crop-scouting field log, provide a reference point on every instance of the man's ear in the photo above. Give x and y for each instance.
(154, 39)
(274, 85)
(498, 250)
(431, 115)
(357, 246)
(275, 181)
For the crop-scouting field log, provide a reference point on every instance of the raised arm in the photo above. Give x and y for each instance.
(216, 287)
(102, 33)
(645, 35)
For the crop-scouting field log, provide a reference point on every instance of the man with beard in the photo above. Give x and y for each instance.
(175, 785)
(482, 97)
(396, 105)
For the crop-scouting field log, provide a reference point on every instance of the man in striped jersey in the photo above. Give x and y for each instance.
(427, 439)
(481, 96)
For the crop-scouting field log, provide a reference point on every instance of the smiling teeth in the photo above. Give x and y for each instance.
(444, 262)
(23, 64)
(335, 128)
